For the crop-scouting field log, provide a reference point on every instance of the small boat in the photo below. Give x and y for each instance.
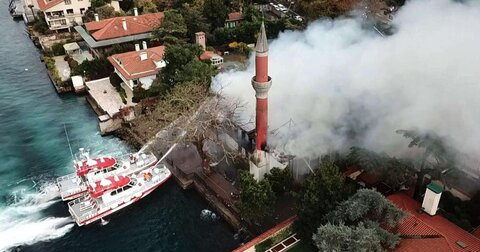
(113, 193)
(74, 185)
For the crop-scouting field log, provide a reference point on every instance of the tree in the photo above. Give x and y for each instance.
(365, 209)
(146, 6)
(105, 12)
(281, 180)
(340, 237)
(320, 194)
(436, 149)
(177, 57)
(196, 71)
(256, 198)
(99, 3)
(172, 29)
(216, 12)
(41, 25)
(314, 9)
(393, 172)
(194, 20)
(95, 69)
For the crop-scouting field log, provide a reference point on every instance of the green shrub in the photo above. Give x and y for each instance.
(116, 81)
(57, 49)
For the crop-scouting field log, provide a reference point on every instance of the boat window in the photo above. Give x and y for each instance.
(113, 193)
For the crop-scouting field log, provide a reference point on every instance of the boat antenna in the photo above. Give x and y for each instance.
(68, 141)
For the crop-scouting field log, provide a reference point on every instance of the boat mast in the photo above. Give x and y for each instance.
(68, 141)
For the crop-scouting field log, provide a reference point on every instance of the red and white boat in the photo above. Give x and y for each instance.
(74, 185)
(113, 193)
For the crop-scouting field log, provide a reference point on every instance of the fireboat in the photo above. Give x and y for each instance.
(89, 169)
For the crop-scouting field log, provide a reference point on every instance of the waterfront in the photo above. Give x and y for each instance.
(35, 151)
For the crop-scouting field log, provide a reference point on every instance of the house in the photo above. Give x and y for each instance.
(139, 67)
(234, 19)
(422, 232)
(102, 34)
(63, 14)
(215, 59)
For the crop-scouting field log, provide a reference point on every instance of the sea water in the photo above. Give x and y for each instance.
(34, 151)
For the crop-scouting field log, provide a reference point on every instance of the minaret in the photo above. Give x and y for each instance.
(261, 82)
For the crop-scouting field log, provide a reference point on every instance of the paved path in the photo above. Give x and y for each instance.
(105, 95)
(62, 67)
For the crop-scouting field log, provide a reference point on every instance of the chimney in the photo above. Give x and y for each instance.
(200, 39)
(137, 47)
(124, 24)
(144, 45)
(135, 11)
(96, 17)
(143, 56)
(432, 198)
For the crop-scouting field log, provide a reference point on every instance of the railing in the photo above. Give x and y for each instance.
(137, 192)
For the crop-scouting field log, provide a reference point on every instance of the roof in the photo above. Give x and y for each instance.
(422, 232)
(77, 81)
(208, 55)
(113, 28)
(98, 188)
(46, 4)
(235, 16)
(130, 65)
(435, 188)
(92, 43)
(476, 233)
(262, 43)
(71, 46)
(266, 234)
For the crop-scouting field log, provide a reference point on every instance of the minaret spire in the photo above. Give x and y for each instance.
(262, 43)
(261, 83)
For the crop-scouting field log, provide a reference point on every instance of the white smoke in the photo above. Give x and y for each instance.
(22, 222)
(335, 78)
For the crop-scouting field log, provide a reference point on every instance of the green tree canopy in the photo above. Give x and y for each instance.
(340, 237)
(366, 204)
(194, 20)
(177, 57)
(321, 193)
(216, 12)
(359, 219)
(99, 3)
(197, 72)
(172, 29)
(146, 6)
(256, 199)
(281, 180)
(393, 172)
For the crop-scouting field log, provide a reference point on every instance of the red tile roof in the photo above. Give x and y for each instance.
(45, 4)
(132, 67)
(235, 16)
(207, 55)
(422, 232)
(113, 28)
(476, 233)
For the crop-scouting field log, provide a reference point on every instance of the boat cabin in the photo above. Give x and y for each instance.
(85, 166)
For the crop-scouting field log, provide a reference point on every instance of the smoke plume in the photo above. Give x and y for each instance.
(342, 85)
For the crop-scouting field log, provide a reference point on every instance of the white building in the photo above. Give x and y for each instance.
(139, 67)
(63, 14)
(215, 59)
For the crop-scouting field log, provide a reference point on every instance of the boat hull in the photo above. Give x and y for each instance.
(120, 206)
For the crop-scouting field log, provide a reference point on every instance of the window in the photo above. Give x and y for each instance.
(82, 10)
(68, 2)
(69, 11)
